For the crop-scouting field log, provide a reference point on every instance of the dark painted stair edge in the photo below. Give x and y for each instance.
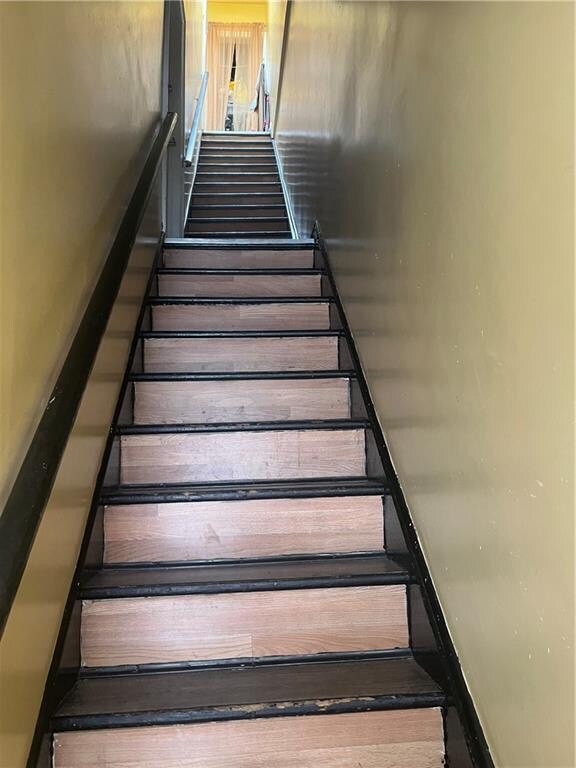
(162, 580)
(326, 425)
(257, 489)
(389, 682)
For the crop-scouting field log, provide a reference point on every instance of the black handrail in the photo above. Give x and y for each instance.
(196, 121)
(25, 506)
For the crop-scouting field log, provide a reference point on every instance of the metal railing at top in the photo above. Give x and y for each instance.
(193, 146)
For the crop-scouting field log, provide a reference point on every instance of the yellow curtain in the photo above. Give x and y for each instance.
(248, 40)
(219, 53)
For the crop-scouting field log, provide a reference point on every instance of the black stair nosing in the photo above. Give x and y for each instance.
(297, 488)
(239, 334)
(243, 662)
(161, 580)
(288, 244)
(307, 425)
(247, 692)
(246, 300)
(266, 271)
(242, 375)
(253, 560)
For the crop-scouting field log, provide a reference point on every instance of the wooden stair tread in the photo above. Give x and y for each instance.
(232, 692)
(138, 581)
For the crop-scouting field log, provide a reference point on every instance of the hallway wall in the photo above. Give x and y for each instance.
(80, 101)
(434, 143)
(81, 88)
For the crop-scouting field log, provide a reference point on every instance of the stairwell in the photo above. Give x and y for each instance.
(251, 602)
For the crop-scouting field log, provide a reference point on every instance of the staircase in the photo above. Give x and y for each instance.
(246, 600)
(237, 190)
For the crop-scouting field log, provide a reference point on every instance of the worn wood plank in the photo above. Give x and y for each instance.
(244, 286)
(209, 402)
(229, 456)
(394, 739)
(241, 354)
(231, 529)
(242, 317)
(243, 624)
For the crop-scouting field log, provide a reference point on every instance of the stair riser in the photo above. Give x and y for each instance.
(241, 456)
(240, 529)
(243, 286)
(396, 739)
(238, 259)
(246, 317)
(212, 176)
(196, 228)
(243, 625)
(237, 160)
(256, 235)
(221, 355)
(211, 402)
(236, 213)
(230, 197)
(236, 186)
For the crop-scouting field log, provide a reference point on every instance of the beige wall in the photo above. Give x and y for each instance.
(80, 96)
(80, 99)
(434, 142)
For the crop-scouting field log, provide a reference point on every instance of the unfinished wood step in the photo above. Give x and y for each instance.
(243, 455)
(307, 316)
(285, 622)
(279, 353)
(239, 529)
(208, 258)
(210, 402)
(409, 738)
(231, 285)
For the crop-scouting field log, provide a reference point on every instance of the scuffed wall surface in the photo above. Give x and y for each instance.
(434, 143)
